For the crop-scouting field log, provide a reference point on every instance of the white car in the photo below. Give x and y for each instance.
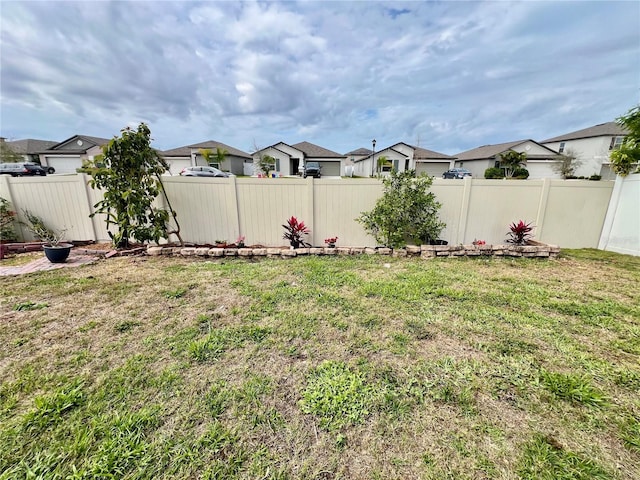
(204, 172)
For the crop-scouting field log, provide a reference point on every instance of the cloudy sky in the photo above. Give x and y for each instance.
(444, 75)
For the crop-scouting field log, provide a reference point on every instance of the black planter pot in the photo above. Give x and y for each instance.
(58, 253)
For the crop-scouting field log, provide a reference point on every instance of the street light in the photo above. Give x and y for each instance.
(373, 158)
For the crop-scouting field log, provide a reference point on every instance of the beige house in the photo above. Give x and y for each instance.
(191, 155)
(540, 159)
(68, 155)
(289, 160)
(402, 156)
(592, 147)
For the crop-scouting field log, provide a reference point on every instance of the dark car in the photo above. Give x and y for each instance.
(456, 173)
(312, 169)
(21, 169)
(204, 172)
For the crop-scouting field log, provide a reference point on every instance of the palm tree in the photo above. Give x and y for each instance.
(511, 160)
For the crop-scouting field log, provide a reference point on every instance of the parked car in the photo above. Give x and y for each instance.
(21, 169)
(312, 169)
(204, 172)
(456, 173)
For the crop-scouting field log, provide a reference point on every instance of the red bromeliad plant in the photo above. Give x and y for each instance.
(519, 233)
(293, 231)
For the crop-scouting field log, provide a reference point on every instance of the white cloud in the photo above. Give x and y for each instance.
(453, 74)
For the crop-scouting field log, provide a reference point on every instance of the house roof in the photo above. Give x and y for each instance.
(419, 153)
(30, 146)
(311, 150)
(359, 151)
(212, 144)
(93, 141)
(185, 151)
(489, 151)
(424, 154)
(610, 129)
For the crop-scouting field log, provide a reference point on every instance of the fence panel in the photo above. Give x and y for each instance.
(568, 213)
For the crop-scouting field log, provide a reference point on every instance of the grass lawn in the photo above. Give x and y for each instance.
(323, 368)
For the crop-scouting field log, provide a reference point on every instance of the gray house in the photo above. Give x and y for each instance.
(290, 159)
(402, 156)
(191, 155)
(540, 159)
(67, 156)
(591, 146)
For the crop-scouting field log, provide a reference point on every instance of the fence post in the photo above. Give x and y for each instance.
(609, 218)
(84, 186)
(311, 209)
(236, 205)
(542, 207)
(464, 211)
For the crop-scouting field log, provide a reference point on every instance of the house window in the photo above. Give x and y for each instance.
(561, 148)
(616, 143)
(214, 165)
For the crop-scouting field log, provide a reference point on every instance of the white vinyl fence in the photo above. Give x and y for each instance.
(566, 213)
(621, 231)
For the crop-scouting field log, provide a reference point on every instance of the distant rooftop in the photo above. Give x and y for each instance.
(603, 129)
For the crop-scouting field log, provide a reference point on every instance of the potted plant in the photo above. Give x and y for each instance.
(55, 250)
(331, 241)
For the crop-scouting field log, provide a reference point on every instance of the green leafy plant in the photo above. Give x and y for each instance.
(294, 230)
(338, 395)
(38, 228)
(130, 179)
(519, 233)
(511, 160)
(574, 388)
(407, 211)
(624, 158)
(520, 173)
(7, 216)
(493, 172)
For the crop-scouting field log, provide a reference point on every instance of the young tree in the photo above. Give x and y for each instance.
(511, 160)
(221, 155)
(8, 155)
(407, 210)
(624, 158)
(567, 164)
(129, 174)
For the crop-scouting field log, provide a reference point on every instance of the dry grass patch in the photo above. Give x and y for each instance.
(345, 367)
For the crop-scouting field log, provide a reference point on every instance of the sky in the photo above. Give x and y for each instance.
(443, 75)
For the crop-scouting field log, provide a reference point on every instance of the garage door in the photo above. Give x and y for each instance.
(64, 164)
(330, 169)
(177, 164)
(433, 169)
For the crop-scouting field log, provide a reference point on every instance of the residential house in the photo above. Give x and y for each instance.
(68, 155)
(540, 162)
(591, 146)
(401, 157)
(290, 159)
(191, 155)
(29, 148)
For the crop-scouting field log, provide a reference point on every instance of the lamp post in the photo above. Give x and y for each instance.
(373, 158)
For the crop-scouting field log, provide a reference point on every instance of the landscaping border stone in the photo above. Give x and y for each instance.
(531, 250)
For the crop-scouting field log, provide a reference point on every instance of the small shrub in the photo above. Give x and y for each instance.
(406, 211)
(293, 231)
(595, 177)
(7, 232)
(493, 172)
(519, 233)
(521, 173)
